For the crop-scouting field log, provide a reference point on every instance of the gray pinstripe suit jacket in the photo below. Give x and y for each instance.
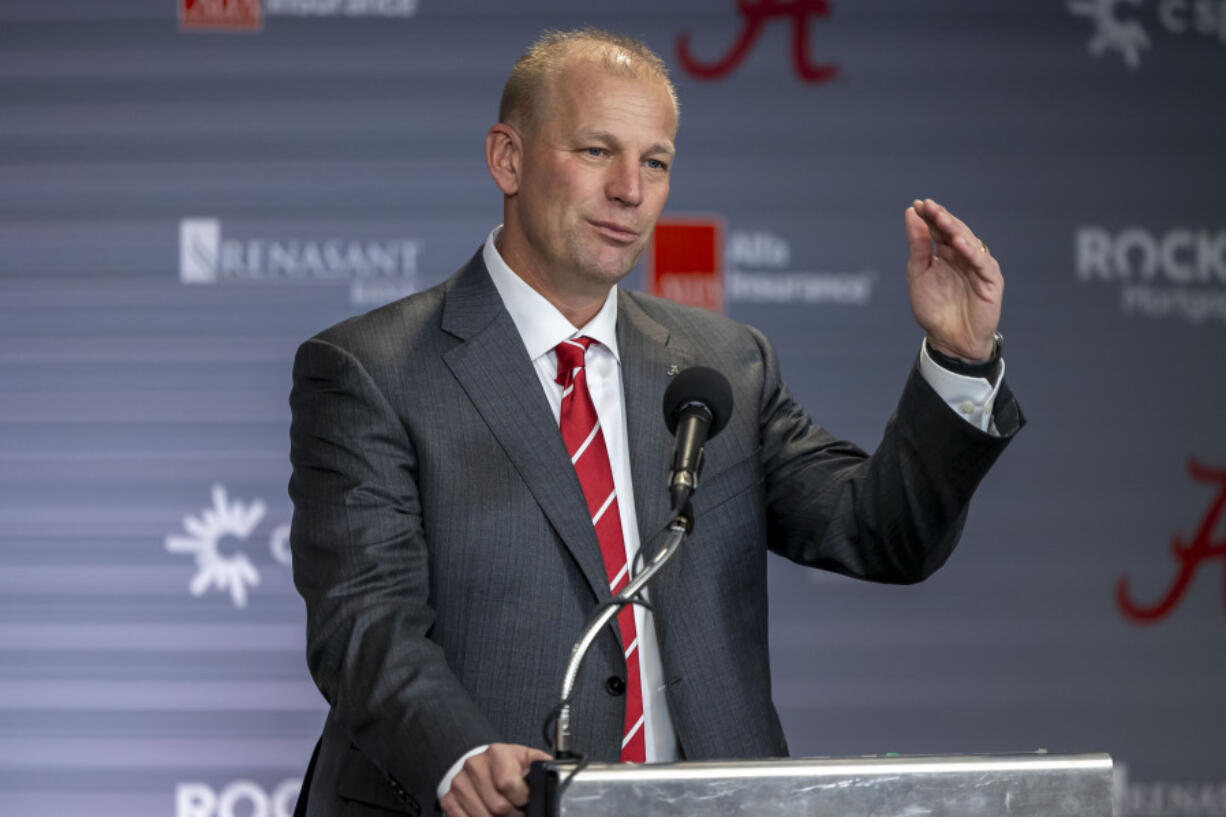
(442, 544)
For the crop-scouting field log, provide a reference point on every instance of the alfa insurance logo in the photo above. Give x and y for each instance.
(762, 269)
(687, 263)
(376, 271)
(227, 569)
(1124, 28)
(248, 15)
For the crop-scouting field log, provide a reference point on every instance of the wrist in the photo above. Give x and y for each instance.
(986, 353)
(444, 785)
(954, 362)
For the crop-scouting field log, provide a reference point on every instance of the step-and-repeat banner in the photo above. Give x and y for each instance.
(190, 188)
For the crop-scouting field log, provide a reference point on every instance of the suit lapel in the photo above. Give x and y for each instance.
(650, 357)
(493, 368)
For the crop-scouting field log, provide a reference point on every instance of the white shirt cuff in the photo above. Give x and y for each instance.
(971, 398)
(444, 785)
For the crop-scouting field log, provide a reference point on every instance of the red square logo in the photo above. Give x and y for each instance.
(686, 262)
(221, 15)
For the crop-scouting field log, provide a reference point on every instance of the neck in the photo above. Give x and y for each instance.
(577, 305)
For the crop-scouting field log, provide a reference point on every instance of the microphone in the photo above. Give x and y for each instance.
(697, 405)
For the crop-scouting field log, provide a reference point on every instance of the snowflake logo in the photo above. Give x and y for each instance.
(235, 572)
(1124, 36)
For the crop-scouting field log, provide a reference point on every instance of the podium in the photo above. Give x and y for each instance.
(1030, 785)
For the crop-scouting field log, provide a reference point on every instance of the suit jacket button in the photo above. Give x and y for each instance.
(615, 686)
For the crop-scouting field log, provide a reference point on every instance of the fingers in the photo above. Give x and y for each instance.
(965, 249)
(451, 805)
(475, 791)
(468, 797)
(919, 239)
(944, 226)
(933, 230)
(976, 254)
(492, 783)
(508, 773)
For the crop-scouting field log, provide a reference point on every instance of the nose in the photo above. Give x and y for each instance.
(624, 183)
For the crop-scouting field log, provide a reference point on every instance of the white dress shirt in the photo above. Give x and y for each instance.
(542, 327)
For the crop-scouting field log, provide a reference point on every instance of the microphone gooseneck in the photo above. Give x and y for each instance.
(697, 405)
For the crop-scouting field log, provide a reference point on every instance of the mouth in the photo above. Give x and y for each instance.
(615, 232)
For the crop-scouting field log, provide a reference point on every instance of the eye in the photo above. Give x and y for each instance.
(657, 164)
(595, 153)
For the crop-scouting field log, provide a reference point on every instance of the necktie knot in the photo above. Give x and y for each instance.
(570, 358)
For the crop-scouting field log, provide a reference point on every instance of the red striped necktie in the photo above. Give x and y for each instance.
(585, 443)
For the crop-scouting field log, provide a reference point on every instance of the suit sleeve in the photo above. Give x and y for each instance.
(892, 517)
(361, 563)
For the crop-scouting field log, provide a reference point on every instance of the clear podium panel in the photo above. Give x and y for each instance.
(936, 786)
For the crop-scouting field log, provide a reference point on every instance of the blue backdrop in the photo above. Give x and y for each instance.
(190, 189)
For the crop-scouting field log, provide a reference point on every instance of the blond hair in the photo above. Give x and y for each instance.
(526, 86)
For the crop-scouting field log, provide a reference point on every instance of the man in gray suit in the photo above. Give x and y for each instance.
(442, 539)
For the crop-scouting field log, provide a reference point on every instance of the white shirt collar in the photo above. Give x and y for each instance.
(540, 324)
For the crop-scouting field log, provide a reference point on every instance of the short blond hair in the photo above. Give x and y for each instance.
(527, 84)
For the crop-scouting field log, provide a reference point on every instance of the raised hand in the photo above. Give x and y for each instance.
(955, 283)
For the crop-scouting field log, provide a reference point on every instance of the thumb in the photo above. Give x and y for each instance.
(919, 240)
(529, 754)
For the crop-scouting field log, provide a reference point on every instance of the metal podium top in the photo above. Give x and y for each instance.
(917, 786)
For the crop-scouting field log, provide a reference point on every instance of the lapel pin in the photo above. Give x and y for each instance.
(673, 368)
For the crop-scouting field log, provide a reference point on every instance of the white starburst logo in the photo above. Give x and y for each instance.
(1111, 32)
(233, 572)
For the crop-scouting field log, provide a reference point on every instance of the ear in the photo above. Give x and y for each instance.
(503, 155)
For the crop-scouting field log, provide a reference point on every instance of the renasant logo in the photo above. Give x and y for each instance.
(376, 271)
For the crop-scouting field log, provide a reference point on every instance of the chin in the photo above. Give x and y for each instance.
(609, 270)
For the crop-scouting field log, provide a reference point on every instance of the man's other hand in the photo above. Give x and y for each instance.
(956, 285)
(492, 783)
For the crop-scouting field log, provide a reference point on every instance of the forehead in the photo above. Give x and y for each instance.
(586, 95)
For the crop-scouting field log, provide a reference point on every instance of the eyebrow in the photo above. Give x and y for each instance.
(604, 136)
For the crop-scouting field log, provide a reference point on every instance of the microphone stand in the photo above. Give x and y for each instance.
(681, 525)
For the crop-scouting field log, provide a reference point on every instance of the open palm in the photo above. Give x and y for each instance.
(956, 285)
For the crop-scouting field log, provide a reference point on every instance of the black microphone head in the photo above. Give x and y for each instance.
(701, 385)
